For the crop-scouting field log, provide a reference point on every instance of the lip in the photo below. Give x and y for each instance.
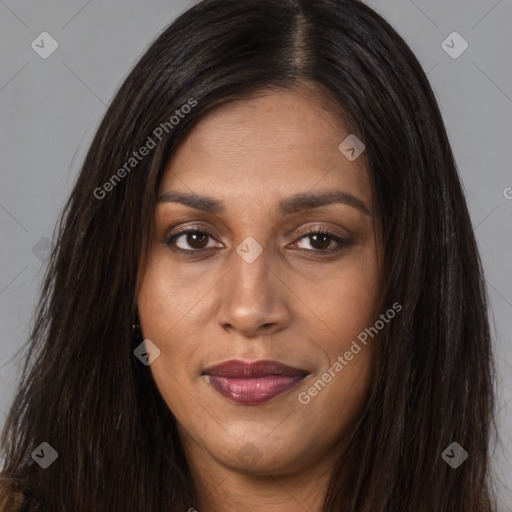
(253, 383)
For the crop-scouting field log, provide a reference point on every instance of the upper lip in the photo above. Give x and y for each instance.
(241, 369)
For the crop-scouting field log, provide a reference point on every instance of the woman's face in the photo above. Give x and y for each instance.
(254, 177)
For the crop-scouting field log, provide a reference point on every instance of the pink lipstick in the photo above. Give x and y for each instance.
(252, 383)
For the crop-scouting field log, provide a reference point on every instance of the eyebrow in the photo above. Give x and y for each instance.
(290, 205)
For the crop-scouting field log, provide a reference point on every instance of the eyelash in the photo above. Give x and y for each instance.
(170, 240)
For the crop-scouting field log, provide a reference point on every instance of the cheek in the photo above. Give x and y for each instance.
(336, 394)
(162, 306)
(353, 295)
(161, 311)
(165, 300)
(351, 309)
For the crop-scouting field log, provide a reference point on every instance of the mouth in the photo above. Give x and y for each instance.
(253, 383)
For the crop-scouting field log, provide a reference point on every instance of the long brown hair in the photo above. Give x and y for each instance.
(82, 390)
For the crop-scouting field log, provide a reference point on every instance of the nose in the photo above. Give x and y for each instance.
(253, 298)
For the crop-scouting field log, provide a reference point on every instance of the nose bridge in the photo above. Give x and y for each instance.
(251, 294)
(251, 270)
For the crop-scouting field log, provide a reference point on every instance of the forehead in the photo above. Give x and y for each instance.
(274, 143)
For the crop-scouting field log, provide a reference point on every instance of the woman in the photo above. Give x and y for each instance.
(265, 292)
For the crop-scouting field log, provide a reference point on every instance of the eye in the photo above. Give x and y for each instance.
(321, 240)
(194, 238)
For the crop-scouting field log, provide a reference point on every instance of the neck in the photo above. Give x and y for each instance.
(223, 489)
(219, 487)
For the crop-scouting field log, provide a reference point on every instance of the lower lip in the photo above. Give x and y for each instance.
(253, 391)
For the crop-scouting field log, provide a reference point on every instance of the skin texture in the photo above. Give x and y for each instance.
(292, 304)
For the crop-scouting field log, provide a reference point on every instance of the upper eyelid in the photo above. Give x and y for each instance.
(313, 226)
(200, 229)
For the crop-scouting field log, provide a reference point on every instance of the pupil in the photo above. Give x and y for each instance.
(323, 245)
(192, 237)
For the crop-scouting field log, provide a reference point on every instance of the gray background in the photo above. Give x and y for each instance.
(51, 107)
